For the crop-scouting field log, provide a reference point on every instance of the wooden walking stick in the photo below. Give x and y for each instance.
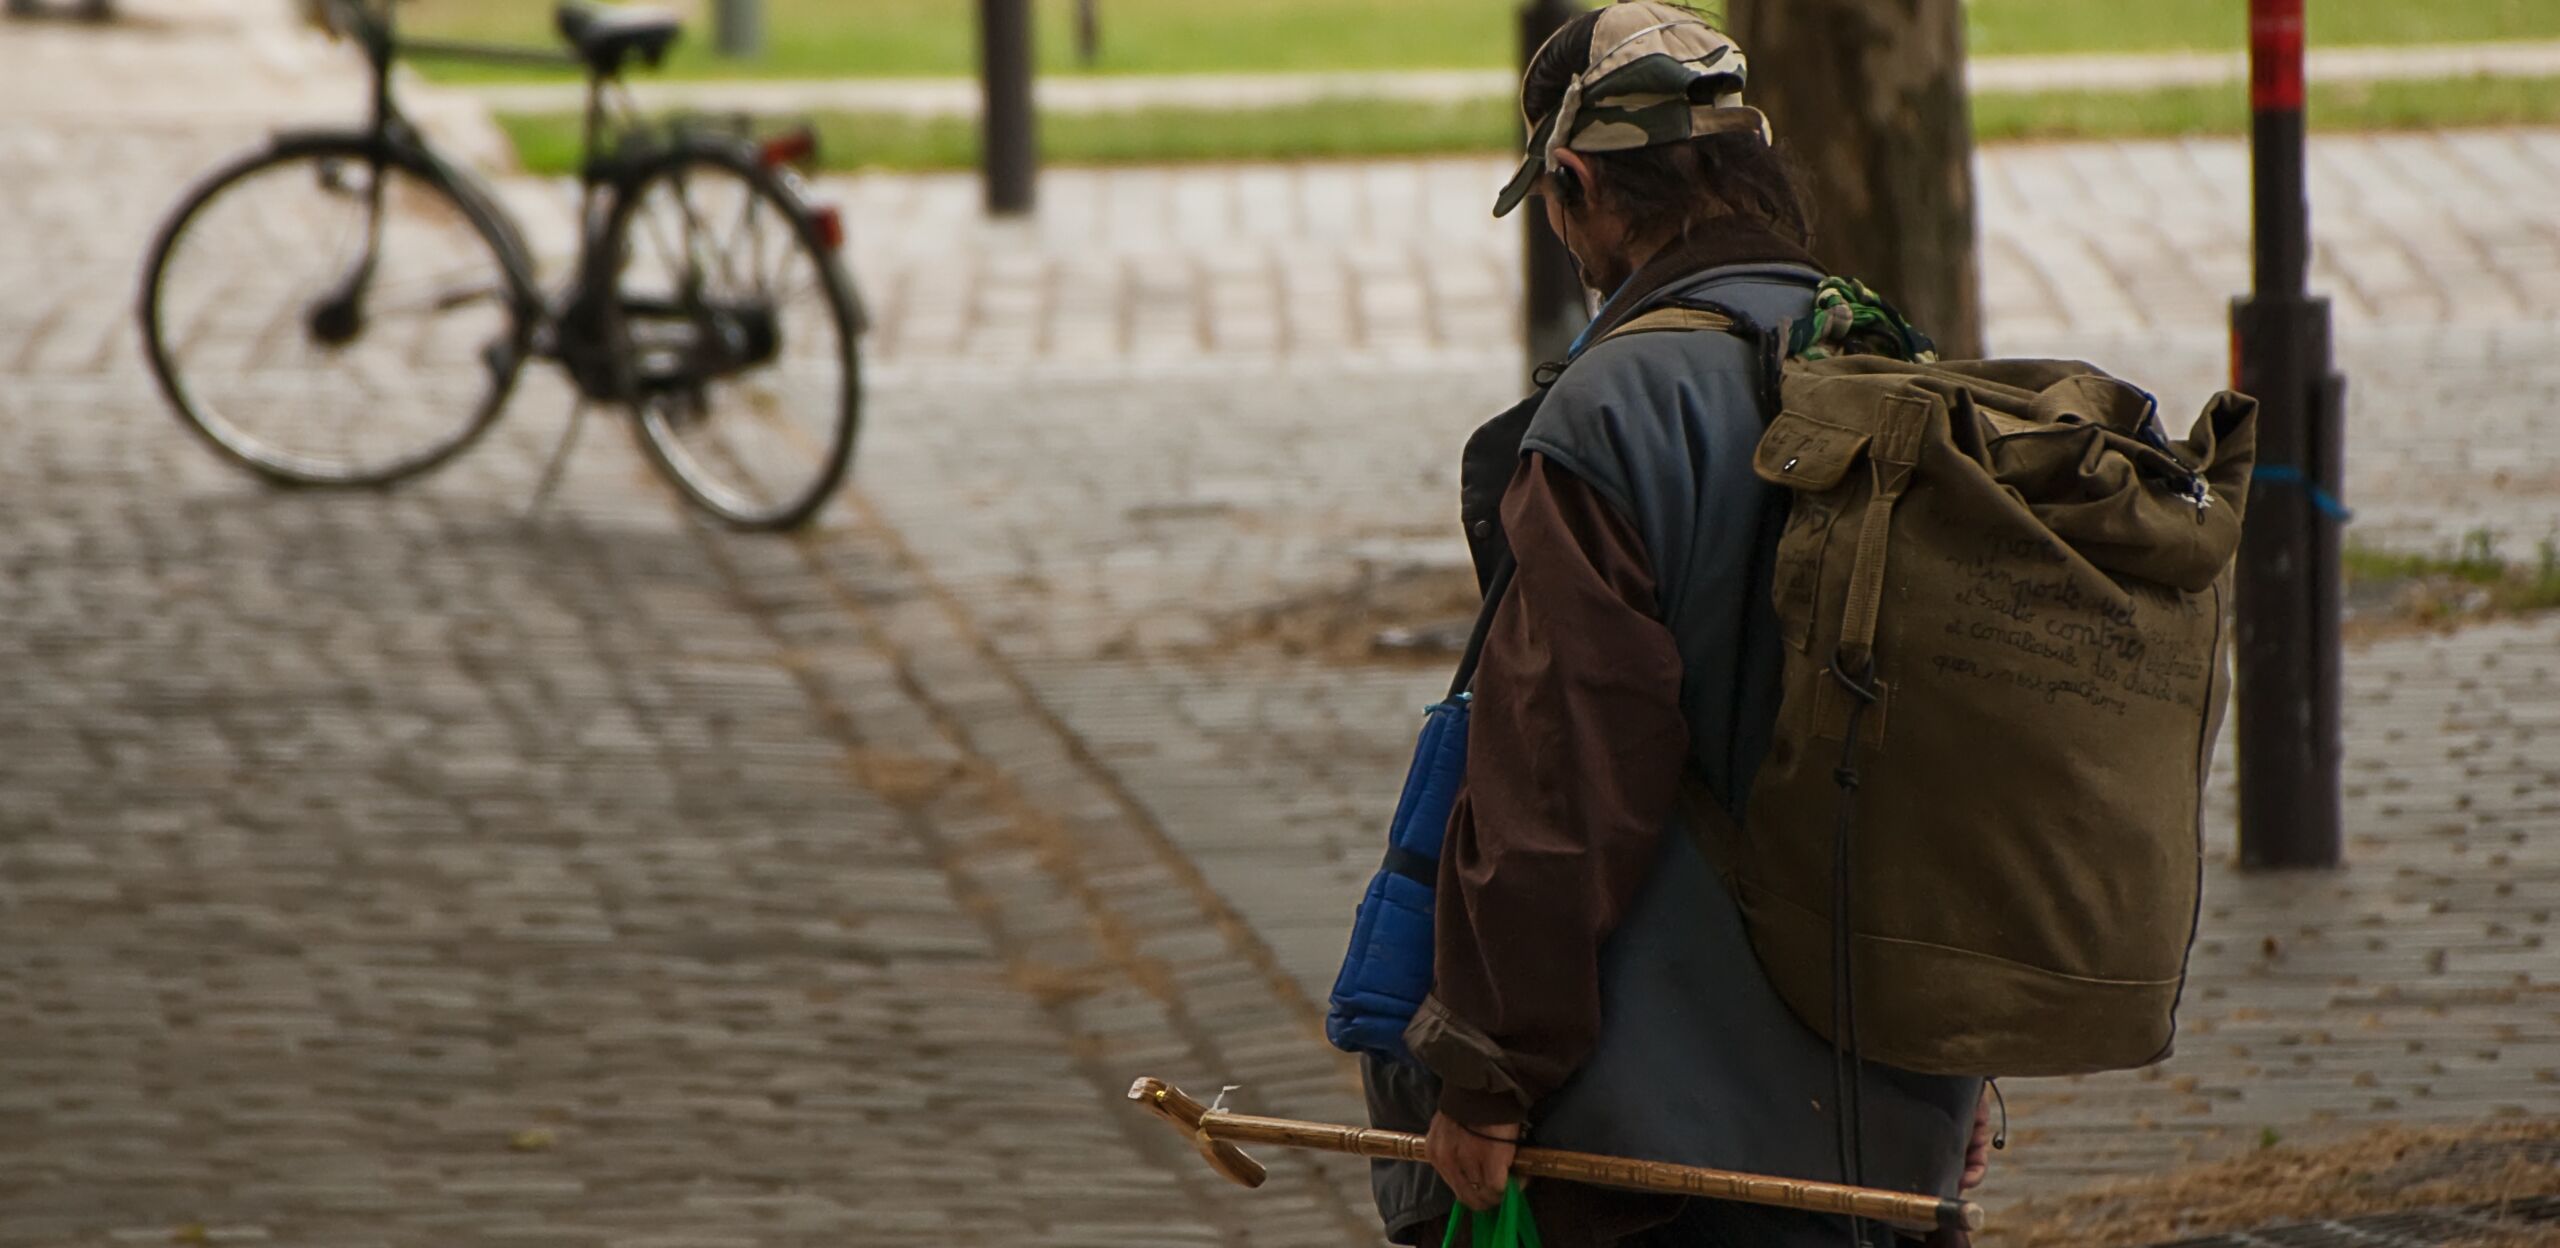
(1217, 1132)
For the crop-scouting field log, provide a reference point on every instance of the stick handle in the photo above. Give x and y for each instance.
(1899, 1208)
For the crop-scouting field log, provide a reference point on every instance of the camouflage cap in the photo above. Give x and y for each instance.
(1652, 73)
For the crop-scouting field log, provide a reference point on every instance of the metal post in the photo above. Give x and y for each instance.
(2289, 579)
(1553, 310)
(741, 28)
(1009, 132)
(1088, 32)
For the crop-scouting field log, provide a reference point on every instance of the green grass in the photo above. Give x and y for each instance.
(876, 38)
(2476, 563)
(547, 143)
(864, 38)
(2473, 579)
(2001, 27)
(2225, 110)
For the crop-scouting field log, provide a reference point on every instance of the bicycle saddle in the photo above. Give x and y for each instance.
(606, 35)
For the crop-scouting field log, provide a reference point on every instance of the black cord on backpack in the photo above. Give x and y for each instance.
(1848, 1063)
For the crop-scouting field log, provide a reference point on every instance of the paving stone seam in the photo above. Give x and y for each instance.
(1059, 864)
(975, 897)
(1229, 923)
(1256, 961)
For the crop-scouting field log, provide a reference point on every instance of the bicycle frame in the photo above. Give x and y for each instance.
(374, 27)
(564, 326)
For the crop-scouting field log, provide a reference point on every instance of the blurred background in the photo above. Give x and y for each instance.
(422, 867)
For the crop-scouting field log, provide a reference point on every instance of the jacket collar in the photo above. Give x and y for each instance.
(1722, 255)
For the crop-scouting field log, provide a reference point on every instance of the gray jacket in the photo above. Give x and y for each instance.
(1698, 1061)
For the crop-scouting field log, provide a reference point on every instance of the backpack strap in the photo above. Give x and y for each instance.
(1675, 316)
(1893, 456)
(1769, 346)
(1493, 593)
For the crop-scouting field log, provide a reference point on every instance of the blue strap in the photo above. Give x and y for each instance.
(1583, 339)
(2292, 474)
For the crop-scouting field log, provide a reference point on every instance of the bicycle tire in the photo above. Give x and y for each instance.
(658, 430)
(500, 365)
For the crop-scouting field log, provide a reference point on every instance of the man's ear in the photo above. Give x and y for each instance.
(1575, 173)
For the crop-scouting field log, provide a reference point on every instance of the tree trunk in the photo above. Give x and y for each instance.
(1870, 95)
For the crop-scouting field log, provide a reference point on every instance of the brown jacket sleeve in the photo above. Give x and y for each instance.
(1574, 752)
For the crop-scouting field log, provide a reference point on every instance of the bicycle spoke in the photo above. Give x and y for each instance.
(785, 256)
(766, 417)
(448, 295)
(284, 325)
(682, 276)
(748, 231)
(811, 276)
(203, 319)
(348, 229)
(696, 232)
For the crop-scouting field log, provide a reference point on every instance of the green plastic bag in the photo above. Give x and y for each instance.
(1508, 1226)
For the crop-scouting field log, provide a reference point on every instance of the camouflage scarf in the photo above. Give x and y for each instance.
(1850, 319)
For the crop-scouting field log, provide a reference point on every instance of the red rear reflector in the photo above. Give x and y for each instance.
(830, 225)
(794, 148)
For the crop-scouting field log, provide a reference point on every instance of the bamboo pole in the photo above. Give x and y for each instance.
(1217, 1132)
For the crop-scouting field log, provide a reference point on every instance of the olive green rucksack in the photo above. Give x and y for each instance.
(2006, 585)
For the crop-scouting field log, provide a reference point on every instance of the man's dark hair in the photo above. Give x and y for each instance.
(1670, 190)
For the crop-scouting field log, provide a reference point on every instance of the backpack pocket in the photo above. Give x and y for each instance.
(1810, 457)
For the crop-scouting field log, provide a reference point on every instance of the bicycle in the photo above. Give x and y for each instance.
(369, 323)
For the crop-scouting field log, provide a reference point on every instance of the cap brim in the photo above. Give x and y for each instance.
(1521, 183)
(1518, 188)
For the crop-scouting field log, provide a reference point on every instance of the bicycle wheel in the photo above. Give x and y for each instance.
(327, 311)
(740, 331)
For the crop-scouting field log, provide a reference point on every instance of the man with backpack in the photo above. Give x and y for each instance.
(1590, 967)
(1835, 732)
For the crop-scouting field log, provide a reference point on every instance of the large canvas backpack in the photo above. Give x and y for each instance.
(2004, 595)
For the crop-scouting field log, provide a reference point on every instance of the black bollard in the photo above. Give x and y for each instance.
(1009, 131)
(1553, 310)
(740, 28)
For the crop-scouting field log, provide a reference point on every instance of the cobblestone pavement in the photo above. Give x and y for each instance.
(2396, 1230)
(393, 869)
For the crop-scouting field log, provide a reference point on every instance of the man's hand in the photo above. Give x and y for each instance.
(1977, 1155)
(1477, 1168)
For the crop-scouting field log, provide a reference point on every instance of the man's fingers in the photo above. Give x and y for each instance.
(1475, 1168)
(1447, 1155)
